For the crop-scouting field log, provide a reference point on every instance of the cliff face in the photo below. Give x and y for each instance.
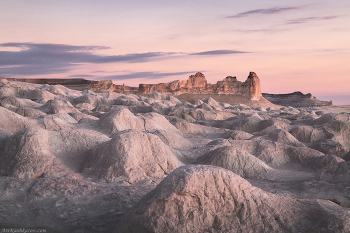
(296, 99)
(103, 86)
(197, 84)
(81, 84)
(108, 85)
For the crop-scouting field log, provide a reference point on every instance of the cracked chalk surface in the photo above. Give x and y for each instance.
(80, 161)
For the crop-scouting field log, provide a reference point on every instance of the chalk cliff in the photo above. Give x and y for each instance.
(197, 84)
(296, 99)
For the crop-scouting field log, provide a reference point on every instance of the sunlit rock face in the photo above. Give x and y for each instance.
(296, 99)
(197, 84)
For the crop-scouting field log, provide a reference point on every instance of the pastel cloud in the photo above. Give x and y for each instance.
(267, 11)
(41, 59)
(38, 59)
(218, 52)
(309, 19)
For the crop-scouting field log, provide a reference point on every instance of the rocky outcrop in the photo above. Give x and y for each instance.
(197, 84)
(80, 84)
(108, 85)
(211, 199)
(296, 99)
(28, 155)
(103, 85)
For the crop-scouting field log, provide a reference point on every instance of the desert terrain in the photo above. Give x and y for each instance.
(185, 156)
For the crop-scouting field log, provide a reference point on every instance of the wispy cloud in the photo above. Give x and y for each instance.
(52, 47)
(282, 27)
(107, 72)
(148, 75)
(42, 59)
(131, 58)
(264, 30)
(310, 19)
(218, 52)
(34, 69)
(38, 59)
(81, 76)
(267, 11)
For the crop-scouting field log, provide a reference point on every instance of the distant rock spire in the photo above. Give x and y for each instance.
(198, 80)
(254, 89)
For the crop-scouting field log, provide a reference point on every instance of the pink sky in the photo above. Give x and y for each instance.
(291, 45)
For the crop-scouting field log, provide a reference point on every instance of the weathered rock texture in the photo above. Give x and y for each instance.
(228, 90)
(131, 157)
(197, 84)
(296, 99)
(78, 161)
(27, 154)
(108, 85)
(211, 199)
(81, 84)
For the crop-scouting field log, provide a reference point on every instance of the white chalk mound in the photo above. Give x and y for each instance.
(211, 199)
(27, 154)
(131, 157)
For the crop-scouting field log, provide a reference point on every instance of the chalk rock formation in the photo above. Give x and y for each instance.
(197, 84)
(197, 81)
(212, 199)
(253, 83)
(27, 154)
(103, 86)
(296, 99)
(79, 161)
(14, 122)
(58, 106)
(238, 161)
(131, 157)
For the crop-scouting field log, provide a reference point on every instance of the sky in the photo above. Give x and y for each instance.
(291, 45)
